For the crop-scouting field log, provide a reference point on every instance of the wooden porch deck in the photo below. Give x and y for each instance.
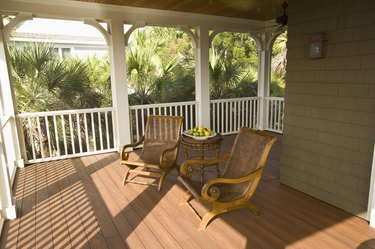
(81, 203)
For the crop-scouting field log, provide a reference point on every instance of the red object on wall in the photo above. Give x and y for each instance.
(318, 47)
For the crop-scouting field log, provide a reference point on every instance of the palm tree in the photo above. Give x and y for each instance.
(225, 76)
(156, 69)
(43, 82)
(278, 65)
(142, 58)
(98, 71)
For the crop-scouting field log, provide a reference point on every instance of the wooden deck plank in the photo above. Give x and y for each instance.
(226, 239)
(11, 227)
(89, 222)
(26, 234)
(75, 227)
(106, 224)
(138, 205)
(59, 227)
(306, 219)
(43, 237)
(153, 211)
(81, 203)
(116, 203)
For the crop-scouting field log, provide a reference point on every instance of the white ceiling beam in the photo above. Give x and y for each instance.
(75, 10)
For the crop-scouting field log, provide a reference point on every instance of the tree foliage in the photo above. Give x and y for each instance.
(233, 66)
(160, 69)
(278, 66)
(160, 66)
(44, 82)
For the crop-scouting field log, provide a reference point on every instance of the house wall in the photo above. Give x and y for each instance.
(329, 130)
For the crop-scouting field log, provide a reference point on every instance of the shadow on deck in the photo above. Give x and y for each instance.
(81, 203)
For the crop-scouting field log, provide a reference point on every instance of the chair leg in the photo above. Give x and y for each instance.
(127, 173)
(218, 170)
(161, 181)
(186, 198)
(254, 209)
(177, 168)
(208, 217)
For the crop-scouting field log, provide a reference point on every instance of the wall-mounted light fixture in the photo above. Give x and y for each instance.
(318, 46)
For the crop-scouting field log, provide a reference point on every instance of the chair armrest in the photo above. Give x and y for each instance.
(163, 160)
(210, 193)
(185, 170)
(124, 155)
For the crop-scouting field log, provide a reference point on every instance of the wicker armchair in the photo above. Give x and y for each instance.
(239, 180)
(160, 149)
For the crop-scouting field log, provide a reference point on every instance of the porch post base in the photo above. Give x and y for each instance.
(9, 213)
(20, 163)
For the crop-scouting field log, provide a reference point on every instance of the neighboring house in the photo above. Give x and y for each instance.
(67, 45)
(70, 38)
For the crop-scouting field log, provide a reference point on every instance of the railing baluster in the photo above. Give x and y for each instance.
(64, 134)
(79, 133)
(217, 117)
(230, 115)
(86, 132)
(235, 115)
(184, 114)
(56, 135)
(251, 115)
(72, 134)
(143, 122)
(31, 137)
(247, 113)
(137, 123)
(242, 112)
(40, 137)
(279, 115)
(114, 138)
(100, 131)
(191, 116)
(106, 128)
(226, 113)
(93, 131)
(222, 125)
(48, 136)
(213, 116)
(272, 114)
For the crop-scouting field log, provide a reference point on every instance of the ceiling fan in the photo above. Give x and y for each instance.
(283, 20)
(280, 21)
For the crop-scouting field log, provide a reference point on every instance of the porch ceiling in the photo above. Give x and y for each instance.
(262, 10)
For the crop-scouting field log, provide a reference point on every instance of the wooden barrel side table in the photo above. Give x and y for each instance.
(201, 147)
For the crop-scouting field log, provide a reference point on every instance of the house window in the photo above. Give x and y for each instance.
(65, 52)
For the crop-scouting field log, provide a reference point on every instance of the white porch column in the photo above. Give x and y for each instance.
(7, 203)
(8, 105)
(119, 82)
(264, 76)
(202, 76)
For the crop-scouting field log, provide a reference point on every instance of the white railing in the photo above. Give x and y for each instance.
(62, 134)
(275, 114)
(139, 114)
(229, 115)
